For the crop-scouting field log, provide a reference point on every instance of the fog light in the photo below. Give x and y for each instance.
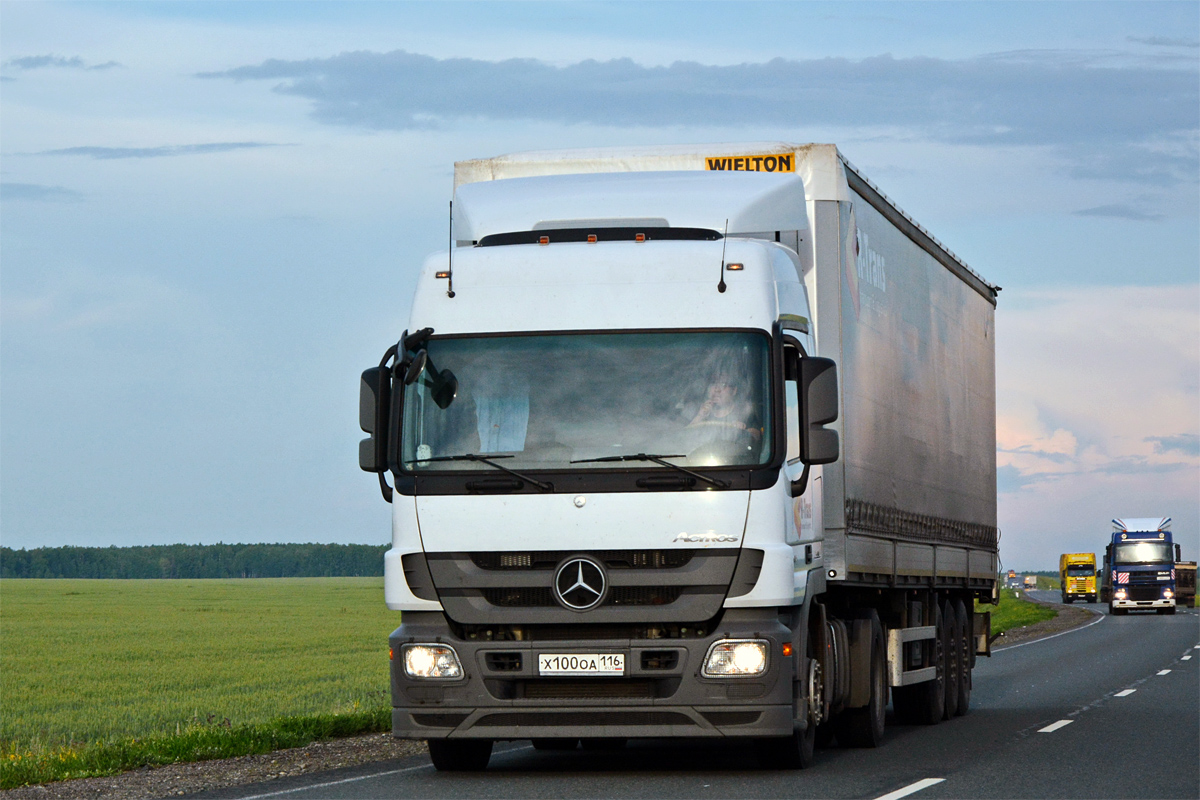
(432, 661)
(734, 657)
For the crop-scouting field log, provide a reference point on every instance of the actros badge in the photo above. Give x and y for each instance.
(580, 583)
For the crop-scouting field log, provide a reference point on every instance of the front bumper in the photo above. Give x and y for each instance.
(662, 694)
(1160, 603)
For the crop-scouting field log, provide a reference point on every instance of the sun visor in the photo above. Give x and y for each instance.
(752, 202)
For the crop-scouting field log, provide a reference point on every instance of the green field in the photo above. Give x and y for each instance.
(86, 661)
(1015, 612)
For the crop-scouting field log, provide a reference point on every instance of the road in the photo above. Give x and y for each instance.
(1108, 710)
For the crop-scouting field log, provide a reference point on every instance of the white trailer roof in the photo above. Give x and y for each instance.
(746, 202)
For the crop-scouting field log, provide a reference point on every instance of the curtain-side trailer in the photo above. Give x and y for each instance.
(684, 441)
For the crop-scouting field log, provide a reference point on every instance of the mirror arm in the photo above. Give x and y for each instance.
(383, 487)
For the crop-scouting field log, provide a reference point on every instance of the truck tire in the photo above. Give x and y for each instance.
(460, 755)
(966, 628)
(863, 727)
(952, 636)
(796, 751)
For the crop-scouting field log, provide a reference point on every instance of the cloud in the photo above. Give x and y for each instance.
(41, 62)
(1120, 211)
(105, 153)
(1107, 118)
(1186, 443)
(37, 192)
(1163, 41)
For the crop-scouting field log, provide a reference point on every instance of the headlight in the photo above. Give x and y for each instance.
(434, 661)
(1119, 594)
(1168, 594)
(734, 657)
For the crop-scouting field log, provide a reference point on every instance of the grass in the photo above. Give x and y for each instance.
(100, 676)
(1015, 612)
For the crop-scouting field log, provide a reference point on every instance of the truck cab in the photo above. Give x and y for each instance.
(1077, 577)
(1139, 566)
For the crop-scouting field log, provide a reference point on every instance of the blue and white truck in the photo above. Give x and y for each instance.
(1139, 566)
(690, 441)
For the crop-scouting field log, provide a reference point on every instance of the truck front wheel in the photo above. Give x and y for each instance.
(460, 755)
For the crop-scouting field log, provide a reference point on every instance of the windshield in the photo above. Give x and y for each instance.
(1142, 553)
(542, 402)
(1080, 571)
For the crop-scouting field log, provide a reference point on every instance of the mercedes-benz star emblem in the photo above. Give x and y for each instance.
(579, 584)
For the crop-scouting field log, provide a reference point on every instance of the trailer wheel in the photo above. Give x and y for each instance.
(863, 727)
(952, 635)
(966, 651)
(460, 755)
(932, 704)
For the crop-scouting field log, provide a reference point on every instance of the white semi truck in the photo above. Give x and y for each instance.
(684, 442)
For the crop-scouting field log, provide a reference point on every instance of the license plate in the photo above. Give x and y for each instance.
(581, 663)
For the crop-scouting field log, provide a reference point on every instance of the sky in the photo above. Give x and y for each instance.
(212, 214)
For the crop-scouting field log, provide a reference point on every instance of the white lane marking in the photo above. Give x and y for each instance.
(336, 783)
(1163, 672)
(925, 783)
(1186, 658)
(1099, 618)
(1062, 723)
(1125, 693)
(358, 778)
(1196, 647)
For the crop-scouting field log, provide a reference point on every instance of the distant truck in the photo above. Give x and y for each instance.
(1185, 583)
(1077, 576)
(1030, 582)
(1139, 566)
(1012, 580)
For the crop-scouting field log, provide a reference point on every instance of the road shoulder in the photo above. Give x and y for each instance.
(1069, 618)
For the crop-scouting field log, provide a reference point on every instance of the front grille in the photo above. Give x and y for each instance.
(557, 689)
(1142, 593)
(591, 632)
(613, 559)
(583, 718)
(524, 597)
(540, 596)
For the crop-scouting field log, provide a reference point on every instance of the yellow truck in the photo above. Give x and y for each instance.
(1077, 576)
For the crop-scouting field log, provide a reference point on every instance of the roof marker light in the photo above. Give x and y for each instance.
(442, 274)
(543, 240)
(641, 237)
(591, 238)
(734, 267)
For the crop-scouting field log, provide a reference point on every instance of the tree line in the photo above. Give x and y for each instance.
(195, 561)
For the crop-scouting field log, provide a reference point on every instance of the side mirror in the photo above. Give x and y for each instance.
(818, 407)
(374, 406)
(1178, 554)
(419, 360)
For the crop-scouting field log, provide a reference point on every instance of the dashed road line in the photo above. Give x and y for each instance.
(911, 788)
(1125, 693)
(1163, 672)
(1185, 658)
(1062, 723)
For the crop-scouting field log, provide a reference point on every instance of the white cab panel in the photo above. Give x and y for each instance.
(612, 521)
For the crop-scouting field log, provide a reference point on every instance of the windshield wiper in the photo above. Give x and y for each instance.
(545, 487)
(657, 459)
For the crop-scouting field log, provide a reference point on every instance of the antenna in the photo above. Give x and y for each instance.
(450, 267)
(724, 239)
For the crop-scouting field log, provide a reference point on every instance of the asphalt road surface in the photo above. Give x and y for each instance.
(1108, 710)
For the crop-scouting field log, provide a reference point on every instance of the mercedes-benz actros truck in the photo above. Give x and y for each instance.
(684, 442)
